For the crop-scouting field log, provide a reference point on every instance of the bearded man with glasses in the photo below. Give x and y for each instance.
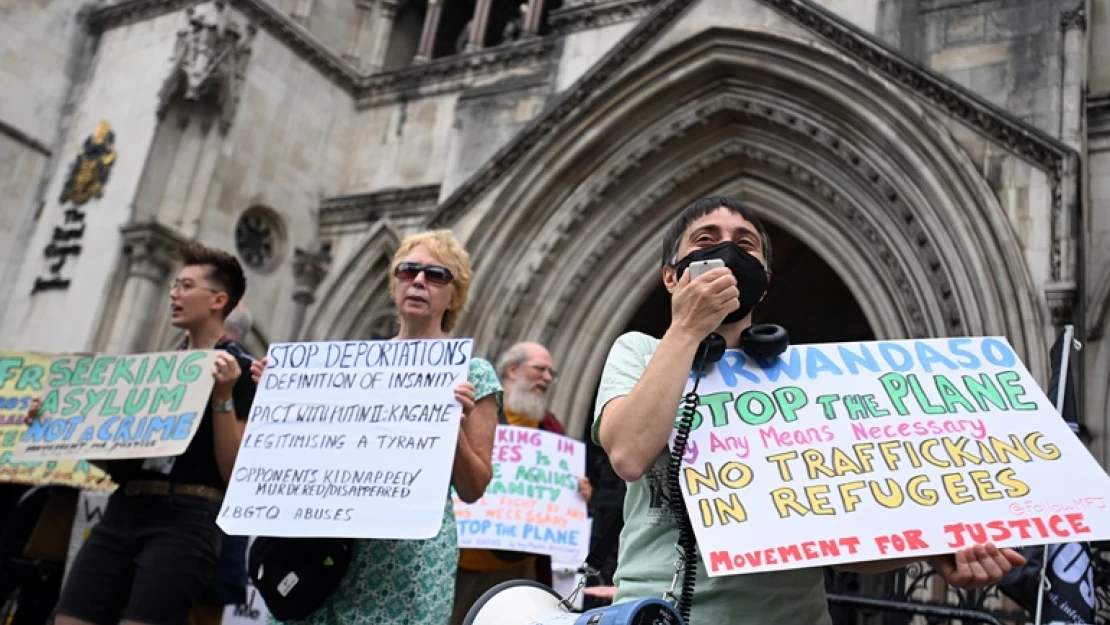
(527, 372)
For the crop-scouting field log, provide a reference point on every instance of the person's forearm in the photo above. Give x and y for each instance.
(470, 473)
(636, 427)
(227, 436)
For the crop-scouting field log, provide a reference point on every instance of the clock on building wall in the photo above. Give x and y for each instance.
(259, 238)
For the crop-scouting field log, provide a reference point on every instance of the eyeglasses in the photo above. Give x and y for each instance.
(186, 287)
(541, 369)
(436, 274)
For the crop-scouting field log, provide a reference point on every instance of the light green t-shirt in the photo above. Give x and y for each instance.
(645, 563)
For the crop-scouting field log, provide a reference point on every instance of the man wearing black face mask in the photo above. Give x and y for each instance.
(641, 388)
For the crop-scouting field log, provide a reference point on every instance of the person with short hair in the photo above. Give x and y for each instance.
(412, 582)
(152, 553)
(642, 385)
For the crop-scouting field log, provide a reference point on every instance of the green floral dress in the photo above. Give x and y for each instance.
(405, 582)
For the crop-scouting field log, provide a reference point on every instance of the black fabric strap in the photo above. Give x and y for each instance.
(606, 543)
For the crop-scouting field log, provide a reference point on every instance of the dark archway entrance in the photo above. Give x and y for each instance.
(806, 297)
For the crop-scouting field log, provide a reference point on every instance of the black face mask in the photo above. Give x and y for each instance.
(751, 277)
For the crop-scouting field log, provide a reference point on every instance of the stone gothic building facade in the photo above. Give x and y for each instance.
(927, 167)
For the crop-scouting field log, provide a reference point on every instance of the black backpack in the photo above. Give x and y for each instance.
(295, 576)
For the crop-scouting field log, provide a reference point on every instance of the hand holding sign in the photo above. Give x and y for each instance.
(32, 411)
(975, 567)
(225, 372)
(257, 367)
(464, 394)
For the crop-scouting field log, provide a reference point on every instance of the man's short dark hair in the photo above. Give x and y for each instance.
(701, 208)
(224, 271)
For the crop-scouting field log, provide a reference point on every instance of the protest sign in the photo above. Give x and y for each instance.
(349, 439)
(532, 504)
(867, 451)
(22, 380)
(112, 407)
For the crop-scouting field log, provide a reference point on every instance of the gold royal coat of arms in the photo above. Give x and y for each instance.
(90, 169)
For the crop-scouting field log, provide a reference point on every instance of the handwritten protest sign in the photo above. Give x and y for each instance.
(105, 407)
(21, 380)
(867, 451)
(533, 503)
(349, 439)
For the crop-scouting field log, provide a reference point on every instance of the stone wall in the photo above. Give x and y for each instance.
(1096, 353)
(1006, 52)
(289, 148)
(330, 21)
(43, 54)
(1099, 47)
(123, 83)
(487, 117)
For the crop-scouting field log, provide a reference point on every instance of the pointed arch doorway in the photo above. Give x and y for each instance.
(801, 278)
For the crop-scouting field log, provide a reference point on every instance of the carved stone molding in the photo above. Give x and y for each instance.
(576, 17)
(151, 249)
(538, 132)
(455, 73)
(436, 76)
(589, 197)
(1061, 297)
(731, 151)
(209, 61)
(261, 13)
(367, 208)
(1075, 17)
(309, 270)
(360, 288)
(993, 122)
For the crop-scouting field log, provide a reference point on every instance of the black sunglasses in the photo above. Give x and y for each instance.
(436, 274)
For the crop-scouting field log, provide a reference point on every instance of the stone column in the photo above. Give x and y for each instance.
(532, 20)
(1062, 291)
(383, 31)
(149, 253)
(309, 269)
(428, 35)
(360, 28)
(478, 25)
(301, 11)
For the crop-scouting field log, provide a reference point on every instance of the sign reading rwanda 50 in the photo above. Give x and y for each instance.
(868, 451)
(105, 407)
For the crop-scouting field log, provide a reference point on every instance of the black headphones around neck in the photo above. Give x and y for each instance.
(766, 341)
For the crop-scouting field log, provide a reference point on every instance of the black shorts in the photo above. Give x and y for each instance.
(147, 560)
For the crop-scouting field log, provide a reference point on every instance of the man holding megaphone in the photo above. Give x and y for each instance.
(724, 244)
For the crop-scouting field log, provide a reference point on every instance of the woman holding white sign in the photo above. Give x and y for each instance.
(411, 582)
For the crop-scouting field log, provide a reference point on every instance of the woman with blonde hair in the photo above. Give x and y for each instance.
(411, 582)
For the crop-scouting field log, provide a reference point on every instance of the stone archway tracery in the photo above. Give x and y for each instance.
(918, 236)
(354, 303)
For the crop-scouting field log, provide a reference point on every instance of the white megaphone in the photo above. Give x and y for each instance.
(526, 602)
